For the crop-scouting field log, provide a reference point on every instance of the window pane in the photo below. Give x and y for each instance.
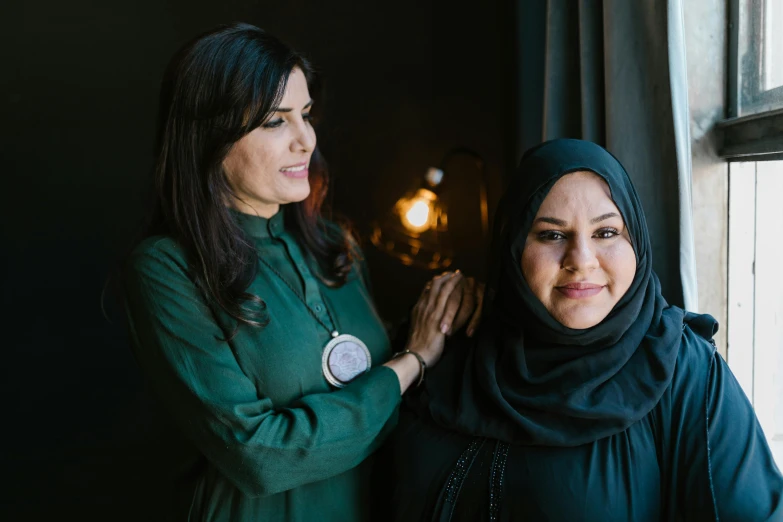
(742, 255)
(755, 329)
(757, 57)
(773, 44)
(768, 353)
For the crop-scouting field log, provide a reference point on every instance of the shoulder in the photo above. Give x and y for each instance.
(697, 354)
(155, 255)
(681, 410)
(697, 362)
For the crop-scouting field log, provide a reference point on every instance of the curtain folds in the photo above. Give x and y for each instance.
(613, 72)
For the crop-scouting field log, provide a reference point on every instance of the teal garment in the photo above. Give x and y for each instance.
(699, 455)
(267, 438)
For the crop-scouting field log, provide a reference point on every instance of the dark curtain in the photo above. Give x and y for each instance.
(613, 72)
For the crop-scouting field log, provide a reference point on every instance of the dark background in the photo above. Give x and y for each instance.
(405, 81)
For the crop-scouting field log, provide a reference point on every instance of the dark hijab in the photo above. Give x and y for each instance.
(528, 379)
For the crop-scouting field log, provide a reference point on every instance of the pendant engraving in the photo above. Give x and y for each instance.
(345, 357)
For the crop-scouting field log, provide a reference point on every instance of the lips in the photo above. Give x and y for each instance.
(579, 290)
(296, 171)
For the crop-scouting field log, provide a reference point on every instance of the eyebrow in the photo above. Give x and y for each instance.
(561, 223)
(551, 221)
(604, 217)
(285, 109)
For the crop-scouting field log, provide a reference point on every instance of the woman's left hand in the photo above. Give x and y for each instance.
(464, 307)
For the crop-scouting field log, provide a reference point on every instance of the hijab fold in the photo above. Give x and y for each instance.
(529, 379)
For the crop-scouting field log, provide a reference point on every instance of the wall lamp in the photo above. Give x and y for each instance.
(415, 230)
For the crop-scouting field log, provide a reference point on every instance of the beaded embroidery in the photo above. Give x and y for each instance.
(461, 468)
(496, 476)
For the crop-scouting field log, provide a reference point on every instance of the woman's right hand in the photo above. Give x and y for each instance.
(426, 336)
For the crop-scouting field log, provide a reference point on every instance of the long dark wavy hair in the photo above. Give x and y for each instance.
(217, 89)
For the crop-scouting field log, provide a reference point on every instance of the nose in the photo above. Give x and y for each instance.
(580, 255)
(303, 139)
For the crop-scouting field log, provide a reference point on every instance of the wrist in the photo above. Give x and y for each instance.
(418, 350)
(422, 364)
(407, 370)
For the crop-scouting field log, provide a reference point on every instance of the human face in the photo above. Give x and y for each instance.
(578, 259)
(269, 166)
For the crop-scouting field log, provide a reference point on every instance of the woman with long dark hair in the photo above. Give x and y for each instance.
(249, 311)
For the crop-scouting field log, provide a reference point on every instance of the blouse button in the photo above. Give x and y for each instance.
(318, 308)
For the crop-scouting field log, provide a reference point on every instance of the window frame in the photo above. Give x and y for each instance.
(757, 136)
(749, 138)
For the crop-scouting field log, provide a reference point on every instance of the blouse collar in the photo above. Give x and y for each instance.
(259, 227)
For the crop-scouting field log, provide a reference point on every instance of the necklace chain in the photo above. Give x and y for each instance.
(333, 333)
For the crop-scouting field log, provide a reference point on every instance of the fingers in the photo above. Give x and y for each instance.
(476, 319)
(453, 306)
(467, 290)
(438, 281)
(433, 287)
(430, 292)
(444, 291)
(425, 336)
(443, 301)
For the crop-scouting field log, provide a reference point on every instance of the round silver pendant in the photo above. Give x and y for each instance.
(345, 358)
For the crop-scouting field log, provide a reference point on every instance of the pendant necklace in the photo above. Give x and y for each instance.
(345, 357)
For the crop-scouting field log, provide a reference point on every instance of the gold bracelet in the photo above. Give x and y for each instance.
(422, 364)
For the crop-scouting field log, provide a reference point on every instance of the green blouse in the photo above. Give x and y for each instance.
(268, 437)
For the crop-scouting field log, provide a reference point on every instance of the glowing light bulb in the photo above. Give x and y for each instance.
(418, 215)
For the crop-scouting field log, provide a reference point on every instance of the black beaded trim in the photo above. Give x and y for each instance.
(461, 468)
(496, 477)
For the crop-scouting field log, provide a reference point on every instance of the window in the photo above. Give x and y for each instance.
(758, 56)
(773, 46)
(753, 143)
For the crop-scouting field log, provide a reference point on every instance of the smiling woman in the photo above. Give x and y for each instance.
(585, 395)
(249, 311)
(269, 166)
(578, 258)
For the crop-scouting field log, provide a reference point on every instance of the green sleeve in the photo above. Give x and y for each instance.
(261, 448)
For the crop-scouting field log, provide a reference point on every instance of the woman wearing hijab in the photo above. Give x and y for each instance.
(585, 395)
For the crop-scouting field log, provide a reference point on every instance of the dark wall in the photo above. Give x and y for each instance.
(405, 81)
